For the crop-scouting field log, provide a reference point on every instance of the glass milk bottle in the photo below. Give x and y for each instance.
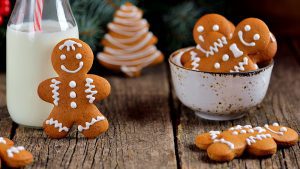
(34, 28)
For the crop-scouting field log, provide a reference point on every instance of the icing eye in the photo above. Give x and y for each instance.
(63, 57)
(200, 28)
(78, 56)
(225, 57)
(256, 37)
(215, 27)
(247, 28)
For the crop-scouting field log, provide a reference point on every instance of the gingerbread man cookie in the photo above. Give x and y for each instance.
(14, 156)
(74, 92)
(258, 141)
(208, 23)
(231, 55)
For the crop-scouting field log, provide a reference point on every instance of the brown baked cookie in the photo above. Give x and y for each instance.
(219, 58)
(284, 136)
(212, 23)
(258, 141)
(231, 55)
(129, 46)
(74, 92)
(267, 54)
(14, 156)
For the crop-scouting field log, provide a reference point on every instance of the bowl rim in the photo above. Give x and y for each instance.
(271, 64)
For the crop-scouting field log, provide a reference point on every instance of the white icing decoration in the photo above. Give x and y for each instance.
(132, 39)
(128, 8)
(142, 62)
(235, 50)
(252, 139)
(215, 27)
(55, 93)
(14, 150)
(90, 90)
(72, 94)
(2, 141)
(256, 37)
(195, 60)
(243, 131)
(201, 38)
(130, 22)
(251, 131)
(247, 28)
(215, 48)
(57, 125)
(283, 129)
(73, 105)
(126, 31)
(123, 55)
(222, 140)
(214, 134)
(72, 71)
(69, 44)
(235, 133)
(259, 129)
(225, 57)
(78, 56)
(279, 132)
(72, 84)
(240, 66)
(200, 28)
(129, 48)
(272, 37)
(240, 34)
(63, 57)
(88, 124)
(275, 124)
(256, 66)
(217, 65)
(230, 35)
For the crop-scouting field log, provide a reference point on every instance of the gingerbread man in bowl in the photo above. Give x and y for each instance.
(74, 91)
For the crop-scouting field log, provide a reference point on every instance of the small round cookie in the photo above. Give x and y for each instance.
(284, 136)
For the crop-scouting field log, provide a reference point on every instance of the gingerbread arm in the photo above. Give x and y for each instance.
(98, 88)
(48, 90)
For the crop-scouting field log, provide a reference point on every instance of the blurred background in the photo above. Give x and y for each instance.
(172, 21)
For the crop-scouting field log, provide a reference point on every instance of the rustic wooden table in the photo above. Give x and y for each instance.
(150, 128)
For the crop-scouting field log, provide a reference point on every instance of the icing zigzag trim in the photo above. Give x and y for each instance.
(55, 88)
(57, 125)
(90, 90)
(14, 150)
(88, 124)
(241, 65)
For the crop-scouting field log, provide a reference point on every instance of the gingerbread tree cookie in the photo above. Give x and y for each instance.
(128, 45)
(74, 92)
(258, 141)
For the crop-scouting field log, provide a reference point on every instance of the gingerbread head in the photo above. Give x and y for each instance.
(72, 57)
(74, 92)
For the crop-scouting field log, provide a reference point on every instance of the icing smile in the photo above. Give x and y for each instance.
(240, 34)
(72, 71)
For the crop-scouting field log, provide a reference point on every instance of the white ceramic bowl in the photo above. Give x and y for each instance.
(219, 96)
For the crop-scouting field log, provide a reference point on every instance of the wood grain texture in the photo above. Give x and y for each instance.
(280, 105)
(140, 133)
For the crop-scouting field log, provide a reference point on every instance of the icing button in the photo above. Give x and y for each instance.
(73, 105)
(72, 94)
(72, 84)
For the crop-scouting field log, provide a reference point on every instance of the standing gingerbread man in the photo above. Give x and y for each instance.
(74, 91)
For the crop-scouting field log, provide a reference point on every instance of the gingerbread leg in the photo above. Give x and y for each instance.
(58, 124)
(92, 123)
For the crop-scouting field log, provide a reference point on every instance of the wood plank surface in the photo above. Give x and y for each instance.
(280, 105)
(140, 133)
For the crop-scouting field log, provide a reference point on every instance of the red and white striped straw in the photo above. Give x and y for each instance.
(39, 4)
